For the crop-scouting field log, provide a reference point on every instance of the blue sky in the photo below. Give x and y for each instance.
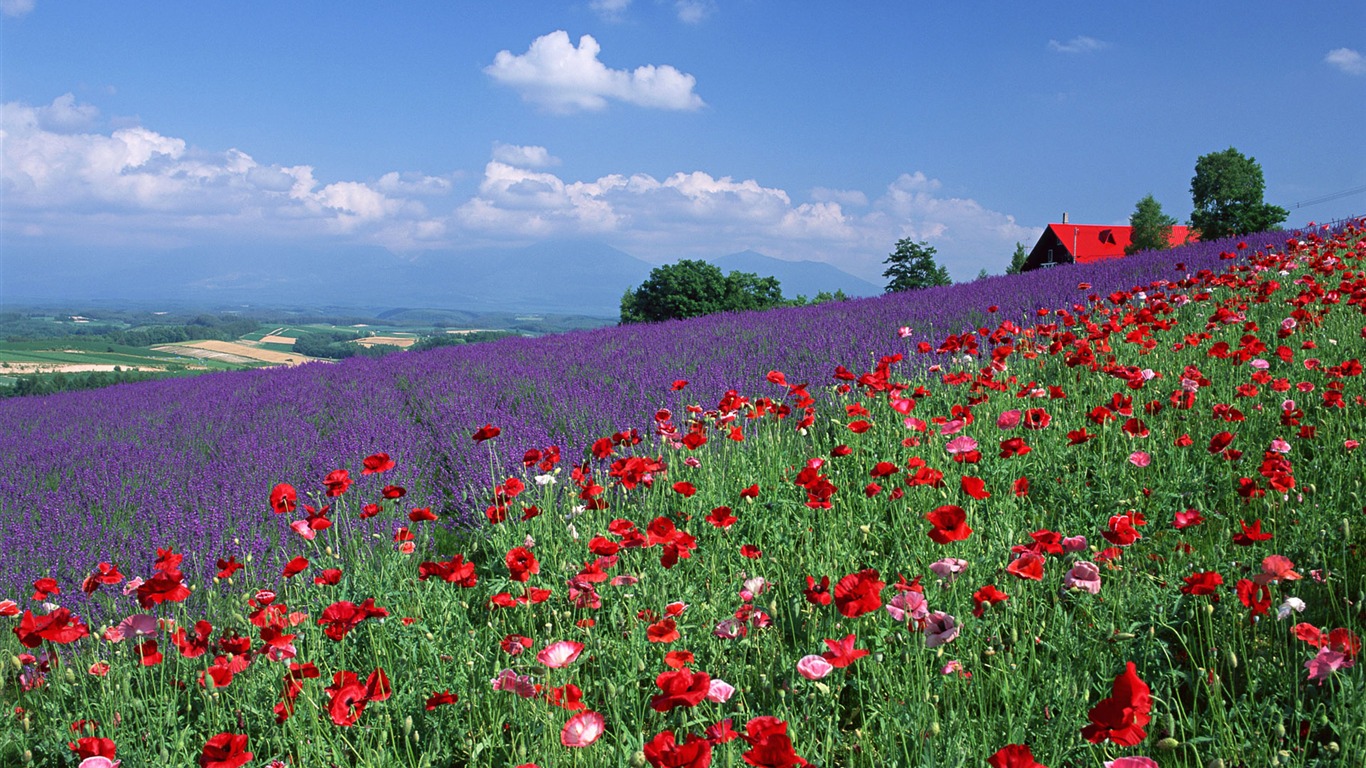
(668, 129)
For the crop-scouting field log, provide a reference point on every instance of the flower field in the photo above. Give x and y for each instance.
(1109, 516)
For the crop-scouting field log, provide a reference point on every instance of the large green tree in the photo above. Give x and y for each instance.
(692, 288)
(1150, 228)
(912, 266)
(1227, 195)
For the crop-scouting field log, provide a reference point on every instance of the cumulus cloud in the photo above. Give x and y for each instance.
(523, 156)
(134, 186)
(697, 214)
(15, 8)
(61, 177)
(1347, 60)
(1079, 44)
(561, 77)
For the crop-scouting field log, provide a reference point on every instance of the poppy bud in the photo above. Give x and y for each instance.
(1168, 744)
(1209, 609)
(638, 760)
(70, 676)
(1280, 730)
(1233, 660)
(823, 688)
(934, 728)
(1333, 747)
(1217, 762)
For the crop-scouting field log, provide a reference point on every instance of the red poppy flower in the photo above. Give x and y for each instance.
(192, 647)
(226, 568)
(817, 594)
(751, 551)
(486, 432)
(441, 699)
(859, 593)
(664, 751)
(842, 653)
(522, 564)
(422, 514)
(379, 462)
(337, 481)
(721, 517)
(987, 596)
(295, 567)
(751, 492)
(1121, 717)
(166, 586)
(92, 746)
(680, 688)
(1187, 519)
(1203, 583)
(226, 750)
(328, 577)
(349, 696)
(1014, 756)
(950, 524)
(1251, 534)
(1027, 566)
(1014, 446)
(567, 696)
(685, 489)
(283, 498)
(975, 487)
(662, 631)
(1035, 418)
(343, 616)
(770, 746)
(45, 586)
(678, 659)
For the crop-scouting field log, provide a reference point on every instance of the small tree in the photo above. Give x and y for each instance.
(912, 266)
(1150, 228)
(1017, 261)
(1227, 195)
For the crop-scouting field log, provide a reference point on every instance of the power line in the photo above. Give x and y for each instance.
(1331, 196)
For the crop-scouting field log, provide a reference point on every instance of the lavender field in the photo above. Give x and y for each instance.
(106, 475)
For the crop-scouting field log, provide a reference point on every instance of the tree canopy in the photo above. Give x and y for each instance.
(1227, 195)
(1150, 228)
(692, 288)
(912, 266)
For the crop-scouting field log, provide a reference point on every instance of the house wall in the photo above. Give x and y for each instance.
(1039, 256)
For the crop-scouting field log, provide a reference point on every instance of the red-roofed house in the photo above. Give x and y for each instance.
(1065, 243)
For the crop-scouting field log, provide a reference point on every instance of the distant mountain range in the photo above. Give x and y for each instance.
(569, 277)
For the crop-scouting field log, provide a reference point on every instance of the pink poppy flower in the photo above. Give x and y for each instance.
(1325, 664)
(1084, 576)
(908, 605)
(953, 427)
(302, 528)
(99, 761)
(960, 445)
(1009, 420)
(137, 625)
(940, 628)
(1136, 761)
(1073, 544)
(522, 685)
(813, 667)
(560, 653)
(720, 691)
(1140, 459)
(948, 568)
(583, 729)
(1276, 568)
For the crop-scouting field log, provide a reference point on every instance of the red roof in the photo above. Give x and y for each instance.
(1091, 242)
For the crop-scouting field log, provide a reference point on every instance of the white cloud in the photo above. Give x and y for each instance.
(1347, 60)
(694, 11)
(16, 8)
(135, 186)
(852, 198)
(1079, 44)
(523, 156)
(562, 77)
(610, 10)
